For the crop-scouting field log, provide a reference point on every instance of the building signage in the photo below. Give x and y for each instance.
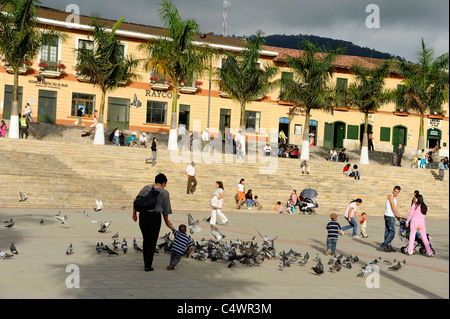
(434, 122)
(50, 85)
(162, 94)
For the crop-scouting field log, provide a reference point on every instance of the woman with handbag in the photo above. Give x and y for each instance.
(217, 204)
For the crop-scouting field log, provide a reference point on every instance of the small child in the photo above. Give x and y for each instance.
(257, 203)
(333, 229)
(290, 206)
(179, 245)
(278, 208)
(363, 223)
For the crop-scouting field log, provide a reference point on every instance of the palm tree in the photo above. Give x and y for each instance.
(367, 94)
(19, 41)
(426, 85)
(309, 88)
(242, 77)
(105, 66)
(175, 57)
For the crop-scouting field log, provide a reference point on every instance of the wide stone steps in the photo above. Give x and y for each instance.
(65, 174)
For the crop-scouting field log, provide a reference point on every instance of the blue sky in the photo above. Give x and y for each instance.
(402, 23)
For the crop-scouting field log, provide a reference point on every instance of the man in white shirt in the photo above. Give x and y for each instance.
(390, 214)
(205, 138)
(192, 181)
(267, 149)
(143, 140)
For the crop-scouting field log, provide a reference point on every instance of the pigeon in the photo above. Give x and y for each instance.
(115, 245)
(41, 79)
(109, 251)
(265, 238)
(233, 263)
(62, 219)
(116, 235)
(85, 214)
(124, 246)
(22, 197)
(99, 204)
(9, 221)
(336, 267)
(10, 225)
(355, 259)
(4, 255)
(318, 269)
(123, 207)
(216, 233)
(285, 261)
(69, 250)
(317, 258)
(59, 214)
(193, 225)
(104, 226)
(390, 262)
(98, 248)
(398, 266)
(41, 222)
(136, 102)
(13, 249)
(363, 273)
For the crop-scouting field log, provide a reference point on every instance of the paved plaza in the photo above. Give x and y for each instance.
(43, 270)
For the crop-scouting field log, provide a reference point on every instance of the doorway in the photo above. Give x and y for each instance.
(284, 126)
(184, 116)
(47, 106)
(339, 134)
(118, 113)
(434, 136)
(225, 121)
(8, 101)
(399, 136)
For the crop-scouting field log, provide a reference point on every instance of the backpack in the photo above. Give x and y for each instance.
(147, 201)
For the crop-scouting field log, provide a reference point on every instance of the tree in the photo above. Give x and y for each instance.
(242, 77)
(426, 85)
(309, 88)
(367, 94)
(175, 57)
(19, 41)
(105, 66)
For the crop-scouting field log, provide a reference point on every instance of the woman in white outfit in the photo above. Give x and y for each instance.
(217, 204)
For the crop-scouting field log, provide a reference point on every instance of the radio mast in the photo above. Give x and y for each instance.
(226, 4)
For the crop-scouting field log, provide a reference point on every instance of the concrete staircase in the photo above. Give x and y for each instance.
(68, 174)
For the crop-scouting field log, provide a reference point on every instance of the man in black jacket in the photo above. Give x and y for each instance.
(399, 154)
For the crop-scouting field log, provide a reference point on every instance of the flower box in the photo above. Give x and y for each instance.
(188, 89)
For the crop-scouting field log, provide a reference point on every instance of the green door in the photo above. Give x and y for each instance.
(399, 136)
(225, 120)
(8, 101)
(47, 106)
(118, 113)
(328, 135)
(339, 134)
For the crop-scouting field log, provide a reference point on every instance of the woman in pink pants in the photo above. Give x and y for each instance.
(417, 219)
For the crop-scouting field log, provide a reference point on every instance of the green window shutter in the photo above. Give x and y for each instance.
(385, 134)
(341, 97)
(400, 103)
(352, 132)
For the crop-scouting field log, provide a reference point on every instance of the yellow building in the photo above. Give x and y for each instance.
(58, 99)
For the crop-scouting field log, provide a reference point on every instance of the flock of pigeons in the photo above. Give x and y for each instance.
(235, 252)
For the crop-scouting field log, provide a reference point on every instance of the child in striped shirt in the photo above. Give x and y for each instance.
(179, 245)
(333, 229)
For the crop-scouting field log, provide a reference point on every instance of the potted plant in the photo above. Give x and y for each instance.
(154, 79)
(198, 83)
(43, 65)
(27, 64)
(60, 67)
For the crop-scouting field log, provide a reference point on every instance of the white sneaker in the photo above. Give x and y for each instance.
(249, 208)
(356, 236)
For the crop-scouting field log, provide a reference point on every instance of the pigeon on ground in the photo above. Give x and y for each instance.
(99, 204)
(124, 246)
(355, 259)
(363, 273)
(390, 262)
(317, 258)
(116, 235)
(115, 244)
(59, 214)
(318, 269)
(10, 225)
(9, 221)
(284, 261)
(233, 263)
(13, 249)
(109, 251)
(217, 233)
(336, 266)
(69, 250)
(41, 222)
(98, 248)
(22, 197)
(4, 255)
(85, 214)
(398, 266)
(104, 226)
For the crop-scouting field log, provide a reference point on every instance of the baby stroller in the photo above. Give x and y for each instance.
(308, 206)
(418, 243)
